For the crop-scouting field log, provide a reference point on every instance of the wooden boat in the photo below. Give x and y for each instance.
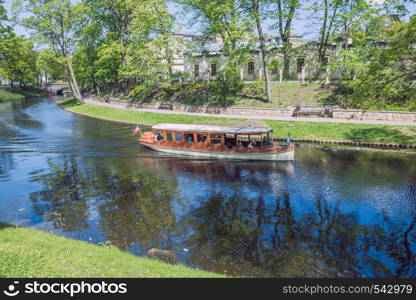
(225, 142)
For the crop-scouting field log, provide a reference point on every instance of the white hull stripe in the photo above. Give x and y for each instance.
(277, 156)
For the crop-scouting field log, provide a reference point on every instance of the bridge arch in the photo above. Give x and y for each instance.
(55, 88)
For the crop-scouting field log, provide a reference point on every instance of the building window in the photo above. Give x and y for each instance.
(196, 70)
(300, 64)
(213, 69)
(250, 68)
(324, 64)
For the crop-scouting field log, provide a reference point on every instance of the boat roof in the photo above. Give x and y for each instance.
(212, 128)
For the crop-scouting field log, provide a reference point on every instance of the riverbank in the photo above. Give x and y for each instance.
(26, 252)
(6, 95)
(20, 93)
(340, 132)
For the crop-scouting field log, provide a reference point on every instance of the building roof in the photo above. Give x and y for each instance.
(212, 128)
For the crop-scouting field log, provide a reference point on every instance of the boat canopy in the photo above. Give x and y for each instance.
(212, 129)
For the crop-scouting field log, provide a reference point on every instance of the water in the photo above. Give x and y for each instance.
(328, 214)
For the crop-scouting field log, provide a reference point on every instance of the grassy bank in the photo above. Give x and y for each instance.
(26, 252)
(6, 95)
(19, 93)
(306, 130)
(286, 94)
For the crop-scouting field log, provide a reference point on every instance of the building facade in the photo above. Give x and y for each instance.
(205, 60)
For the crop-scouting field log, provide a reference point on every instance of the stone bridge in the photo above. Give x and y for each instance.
(55, 88)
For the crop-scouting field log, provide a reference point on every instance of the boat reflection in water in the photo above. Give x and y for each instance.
(242, 219)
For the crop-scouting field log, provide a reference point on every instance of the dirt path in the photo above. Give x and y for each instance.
(301, 119)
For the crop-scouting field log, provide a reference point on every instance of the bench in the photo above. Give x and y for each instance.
(317, 111)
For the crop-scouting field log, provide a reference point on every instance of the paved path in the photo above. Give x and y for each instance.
(301, 119)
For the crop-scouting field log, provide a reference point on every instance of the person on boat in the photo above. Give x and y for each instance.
(252, 144)
(239, 144)
(189, 139)
(288, 140)
(159, 137)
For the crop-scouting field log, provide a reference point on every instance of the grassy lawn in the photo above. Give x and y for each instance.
(19, 93)
(288, 94)
(307, 130)
(6, 95)
(26, 252)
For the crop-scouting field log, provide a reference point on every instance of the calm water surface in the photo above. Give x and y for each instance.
(337, 214)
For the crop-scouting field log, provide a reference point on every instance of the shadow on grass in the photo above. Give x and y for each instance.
(386, 135)
(4, 225)
(262, 99)
(69, 102)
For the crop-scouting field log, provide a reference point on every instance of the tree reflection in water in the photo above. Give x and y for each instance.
(63, 199)
(235, 234)
(250, 221)
(136, 208)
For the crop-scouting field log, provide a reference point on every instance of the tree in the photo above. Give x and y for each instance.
(18, 60)
(341, 18)
(4, 27)
(54, 23)
(153, 46)
(52, 64)
(224, 19)
(254, 12)
(383, 60)
(113, 18)
(285, 14)
(86, 54)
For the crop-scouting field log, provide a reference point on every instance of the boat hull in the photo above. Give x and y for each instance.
(272, 156)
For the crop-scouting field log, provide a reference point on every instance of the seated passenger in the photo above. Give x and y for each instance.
(159, 137)
(189, 139)
(252, 144)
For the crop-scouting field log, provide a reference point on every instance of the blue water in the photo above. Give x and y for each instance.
(327, 214)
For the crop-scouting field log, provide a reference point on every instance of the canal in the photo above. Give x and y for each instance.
(327, 214)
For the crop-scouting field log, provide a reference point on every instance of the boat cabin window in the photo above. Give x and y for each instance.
(266, 140)
(178, 136)
(256, 140)
(202, 138)
(215, 139)
(189, 137)
(230, 141)
(169, 136)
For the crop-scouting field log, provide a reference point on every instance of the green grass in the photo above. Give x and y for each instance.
(288, 94)
(306, 130)
(26, 252)
(6, 95)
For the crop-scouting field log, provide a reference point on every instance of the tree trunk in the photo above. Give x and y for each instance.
(95, 85)
(73, 82)
(286, 57)
(263, 50)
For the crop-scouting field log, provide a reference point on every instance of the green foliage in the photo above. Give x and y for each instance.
(18, 60)
(49, 62)
(377, 76)
(54, 23)
(226, 86)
